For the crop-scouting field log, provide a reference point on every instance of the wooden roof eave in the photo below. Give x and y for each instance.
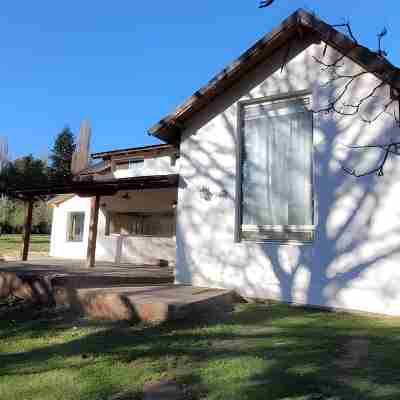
(174, 123)
(93, 188)
(169, 128)
(147, 151)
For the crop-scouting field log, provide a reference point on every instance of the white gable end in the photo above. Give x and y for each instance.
(353, 261)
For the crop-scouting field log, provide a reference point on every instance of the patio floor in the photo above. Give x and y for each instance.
(59, 267)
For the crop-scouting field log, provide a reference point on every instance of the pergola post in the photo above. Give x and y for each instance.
(27, 229)
(92, 241)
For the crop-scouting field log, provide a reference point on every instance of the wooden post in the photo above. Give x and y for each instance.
(94, 219)
(27, 229)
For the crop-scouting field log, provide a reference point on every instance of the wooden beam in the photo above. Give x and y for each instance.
(98, 188)
(94, 219)
(27, 229)
(98, 193)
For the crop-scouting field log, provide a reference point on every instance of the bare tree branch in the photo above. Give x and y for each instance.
(339, 106)
(380, 37)
(265, 3)
(349, 30)
(379, 169)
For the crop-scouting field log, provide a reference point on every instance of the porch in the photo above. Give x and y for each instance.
(134, 227)
(129, 220)
(72, 269)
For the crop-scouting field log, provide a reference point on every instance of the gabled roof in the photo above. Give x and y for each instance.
(298, 24)
(104, 165)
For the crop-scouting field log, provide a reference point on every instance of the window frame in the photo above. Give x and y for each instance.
(137, 161)
(70, 215)
(272, 229)
(142, 217)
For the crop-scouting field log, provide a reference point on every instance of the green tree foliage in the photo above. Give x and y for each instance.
(61, 156)
(29, 171)
(23, 172)
(12, 216)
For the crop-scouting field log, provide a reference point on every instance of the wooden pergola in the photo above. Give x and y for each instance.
(93, 189)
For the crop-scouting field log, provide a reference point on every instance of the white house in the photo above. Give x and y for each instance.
(134, 226)
(264, 205)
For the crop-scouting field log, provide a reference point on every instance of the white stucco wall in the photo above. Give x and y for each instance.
(60, 246)
(137, 250)
(162, 165)
(354, 262)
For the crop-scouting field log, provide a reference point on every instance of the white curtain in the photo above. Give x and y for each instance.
(277, 164)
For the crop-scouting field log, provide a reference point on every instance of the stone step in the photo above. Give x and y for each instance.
(33, 288)
(157, 303)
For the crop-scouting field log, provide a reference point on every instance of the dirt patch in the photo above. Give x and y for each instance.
(15, 309)
(163, 390)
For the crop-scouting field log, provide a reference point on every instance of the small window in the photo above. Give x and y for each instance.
(136, 165)
(276, 178)
(76, 221)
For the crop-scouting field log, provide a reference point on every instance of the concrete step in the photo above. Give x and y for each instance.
(157, 303)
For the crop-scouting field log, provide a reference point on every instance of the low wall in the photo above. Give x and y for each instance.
(28, 287)
(136, 250)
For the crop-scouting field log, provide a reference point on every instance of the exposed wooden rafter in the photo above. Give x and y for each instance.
(93, 188)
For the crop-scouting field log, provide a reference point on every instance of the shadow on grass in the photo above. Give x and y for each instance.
(272, 352)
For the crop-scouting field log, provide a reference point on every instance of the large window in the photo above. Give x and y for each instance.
(141, 224)
(76, 221)
(275, 187)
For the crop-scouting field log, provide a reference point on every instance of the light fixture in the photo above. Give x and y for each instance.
(126, 196)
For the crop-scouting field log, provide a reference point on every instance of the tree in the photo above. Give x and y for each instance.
(61, 156)
(24, 171)
(41, 221)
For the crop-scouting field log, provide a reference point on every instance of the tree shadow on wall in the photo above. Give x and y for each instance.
(353, 240)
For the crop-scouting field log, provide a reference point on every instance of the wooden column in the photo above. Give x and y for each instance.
(27, 229)
(94, 219)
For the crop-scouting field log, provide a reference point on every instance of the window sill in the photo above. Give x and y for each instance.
(291, 235)
(116, 235)
(278, 242)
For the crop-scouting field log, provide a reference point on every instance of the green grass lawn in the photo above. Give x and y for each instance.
(257, 352)
(11, 244)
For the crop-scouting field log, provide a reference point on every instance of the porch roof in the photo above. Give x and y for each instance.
(97, 188)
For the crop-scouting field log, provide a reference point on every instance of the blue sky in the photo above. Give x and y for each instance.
(125, 64)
